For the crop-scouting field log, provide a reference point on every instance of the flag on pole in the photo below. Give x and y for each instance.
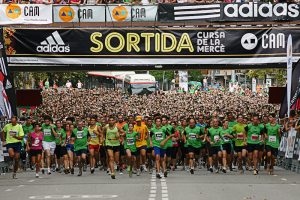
(7, 91)
(289, 54)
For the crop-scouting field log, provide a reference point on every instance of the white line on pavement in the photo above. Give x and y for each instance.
(30, 181)
(21, 186)
(283, 179)
(164, 189)
(153, 188)
(8, 190)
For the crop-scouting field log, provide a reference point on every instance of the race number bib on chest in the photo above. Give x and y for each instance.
(254, 137)
(272, 138)
(13, 133)
(130, 141)
(158, 136)
(36, 142)
(93, 135)
(225, 139)
(193, 136)
(79, 134)
(47, 132)
(216, 138)
(240, 136)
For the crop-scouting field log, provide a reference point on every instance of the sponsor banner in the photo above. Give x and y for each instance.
(135, 13)
(151, 46)
(25, 14)
(80, 13)
(252, 11)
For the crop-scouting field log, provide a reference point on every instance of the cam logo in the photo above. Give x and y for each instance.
(53, 44)
(13, 11)
(66, 13)
(249, 41)
(119, 13)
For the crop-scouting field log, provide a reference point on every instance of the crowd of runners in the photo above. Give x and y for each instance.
(106, 129)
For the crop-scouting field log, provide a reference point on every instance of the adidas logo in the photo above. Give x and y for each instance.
(53, 44)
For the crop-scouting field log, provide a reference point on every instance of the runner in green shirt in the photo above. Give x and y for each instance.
(150, 151)
(60, 151)
(12, 135)
(272, 135)
(193, 137)
(130, 147)
(112, 141)
(240, 142)
(80, 136)
(213, 137)
(253, 131)
(183, 145)
(48, 143)
(158, 140)
(169, 145)
(226, 137)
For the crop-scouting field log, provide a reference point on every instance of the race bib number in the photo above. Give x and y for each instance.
(47, 132)
(225, 139)
(240, 136)
(254, 137)
(36, 142)
(193, 136)
(272, 138)
(216, 138)
(158, 136)
(79, 134)
(130, 141)
(93, 135)
(13, 133)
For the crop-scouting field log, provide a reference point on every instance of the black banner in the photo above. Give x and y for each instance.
(229, 12)
(145, 46)
(7, 91)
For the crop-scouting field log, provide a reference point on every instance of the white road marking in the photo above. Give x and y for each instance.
(153, 188)
(21, 186)
(30, 181)
(164, 189)
(8, 190)
(283, 179)
(293, 184)
(74, 197)
(275, 175)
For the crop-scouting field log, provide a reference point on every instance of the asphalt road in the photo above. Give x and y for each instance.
(179, 185)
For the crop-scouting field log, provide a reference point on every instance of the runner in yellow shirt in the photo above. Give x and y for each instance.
(94, 140)
(141, 144)
(12, 135)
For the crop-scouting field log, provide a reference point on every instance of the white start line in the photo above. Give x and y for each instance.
(74, 197)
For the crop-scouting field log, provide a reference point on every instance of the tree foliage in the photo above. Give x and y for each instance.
(278, 74)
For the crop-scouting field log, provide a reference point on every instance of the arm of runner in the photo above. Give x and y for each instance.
(28, 142)
(53, 131)
(162, 143)
(151, 143)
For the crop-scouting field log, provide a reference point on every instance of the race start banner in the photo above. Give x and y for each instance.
(25, 14)
(229, 12)
(151, 46)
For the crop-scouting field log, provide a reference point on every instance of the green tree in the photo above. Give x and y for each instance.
(195, 75)
(278, 74)
(169, 75)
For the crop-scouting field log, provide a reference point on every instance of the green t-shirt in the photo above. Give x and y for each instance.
(238, 131)
(111, 137)
(253, 133)
(158, 135)
(191, 136)
(11, 130)
(231, 124)
(214, 135)
(170, 131)
(130, 140)
(225, 139)
(61, 136)
(273, 136)
(47, 85)
(27, 129)
(48, 133)
(81, 138)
